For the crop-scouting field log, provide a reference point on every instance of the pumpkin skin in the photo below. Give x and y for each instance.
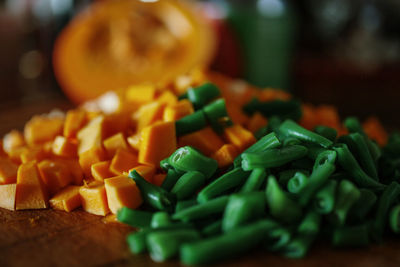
(116, 43)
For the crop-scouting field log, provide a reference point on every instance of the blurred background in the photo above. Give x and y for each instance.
(345, 53)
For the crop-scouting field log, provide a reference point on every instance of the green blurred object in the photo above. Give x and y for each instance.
(266, 30)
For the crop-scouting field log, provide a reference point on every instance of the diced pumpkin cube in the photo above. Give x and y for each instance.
(89, 157)
(158, 179)
(101, 170)
(74, 121)
(239, 137)
(256, 122)
(122, 162)
(122, 192)
(140, 94)
(75, 170)
(8, 171)
(116, 122)
(41, 129)
(67, 199)
(177, 111)
(64, 147)
(7, 196)
(146, 171)
(270, 94)
(31, 192)
(148, 114)
(90, 137)
(16, 153)
(55, 175)
(236, 114)
(94, 198)
(374, 129)
(134, 141)
(115, 142)
(226, 155)
(12, 140)
(167, 98)
(205, 140)
(157, 142)
(32, 153)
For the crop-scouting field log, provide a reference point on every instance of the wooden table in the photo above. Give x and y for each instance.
(56, 238)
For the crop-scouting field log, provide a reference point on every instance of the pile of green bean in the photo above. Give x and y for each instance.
(289, 189)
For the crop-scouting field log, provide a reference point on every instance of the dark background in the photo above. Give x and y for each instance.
(340, 52)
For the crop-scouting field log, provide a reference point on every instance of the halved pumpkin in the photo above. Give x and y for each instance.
(116, 43)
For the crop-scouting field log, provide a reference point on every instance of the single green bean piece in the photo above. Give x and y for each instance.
(277, 238)
(255, 181)
(213, 229)
(298, 247)
(217, 115)
(222, 185)
(272, 157)
(171, 179)
(363, 205)
(324, 200)
(349, 163)
(281, 206)
(364, 155)
(164, 245)
(286, 175)
(188, 184)
(351, 236)
(290, 141)
(347, 195)
(314, 151)
(137, 240)
(297, 183)
(394, 219)
(388, 197)
(184, 204)
(267, 142)
(160, 219)
(191, 123)
(284, 109)
(154, 195)
(189, 159)
(353, 125)
(134, 218)
(322, 170)
(235, 242)
(204, 210)
(242, 209)
(292, 129)
(164, 164)
(203, 94)
(327, 132)
(310, 224)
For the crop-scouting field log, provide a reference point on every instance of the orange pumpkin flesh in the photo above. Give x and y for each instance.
(114, 44)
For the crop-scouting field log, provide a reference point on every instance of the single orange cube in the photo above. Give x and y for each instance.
(157, 142)
(55, 175)
(122, 192)
(134, 141)
(167, 98)
(89, 157)
(7, 196)
(256, 122)
(226, 155)
(90, 137)
(64, 147)
(8, 171)
(67, 199)
(31, 192)
(148, 114)
(158, 179)
(32, 153)
(94, 198)
(12, 140)
(101, 170)
(74, 168)
(122, 162)
(74, 121)
(115, 142)
(177, 111)
(140, 94)
(146, 171)
(41, 129)
(239, 136)
(205, 140)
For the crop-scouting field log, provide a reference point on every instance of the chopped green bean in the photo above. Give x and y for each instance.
(347, 195)
(394, 219)
(363, 205)
(217, 115)
(171, 179)
(298, 246)
(284, 109)
(188, 184)
(160, 219)
(364, 155)
(256, 179)
(297, 182)
(327, 132)
(184, 204)
(134, 218)
(212, 207)
(310, 224)
(203, 94)
(191, 123)
(324, 200)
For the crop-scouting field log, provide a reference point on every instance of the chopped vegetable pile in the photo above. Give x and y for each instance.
(207, 168)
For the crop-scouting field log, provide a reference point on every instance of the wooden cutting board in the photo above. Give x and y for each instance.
(57, 238)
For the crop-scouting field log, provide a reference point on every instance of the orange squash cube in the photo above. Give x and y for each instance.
(122, 162)
(115, 142)
(148, 114)
(64, 147)
(146, 171)
(31, 192)
(32, 153)
(239, 136)
(55, 175)
(74, 121)
(41, 129)
(134, 141)
(67, 199)
(140, 94)
(94, 198)
(7, 196)
(89, 157)
(157, 142)
(205, 140)
(167, 98)
(226, 155)
(158, 179)
(90, 137)
(177, 111)
(101, 170)
(122, 192)
(12, 140)
(256, 122)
